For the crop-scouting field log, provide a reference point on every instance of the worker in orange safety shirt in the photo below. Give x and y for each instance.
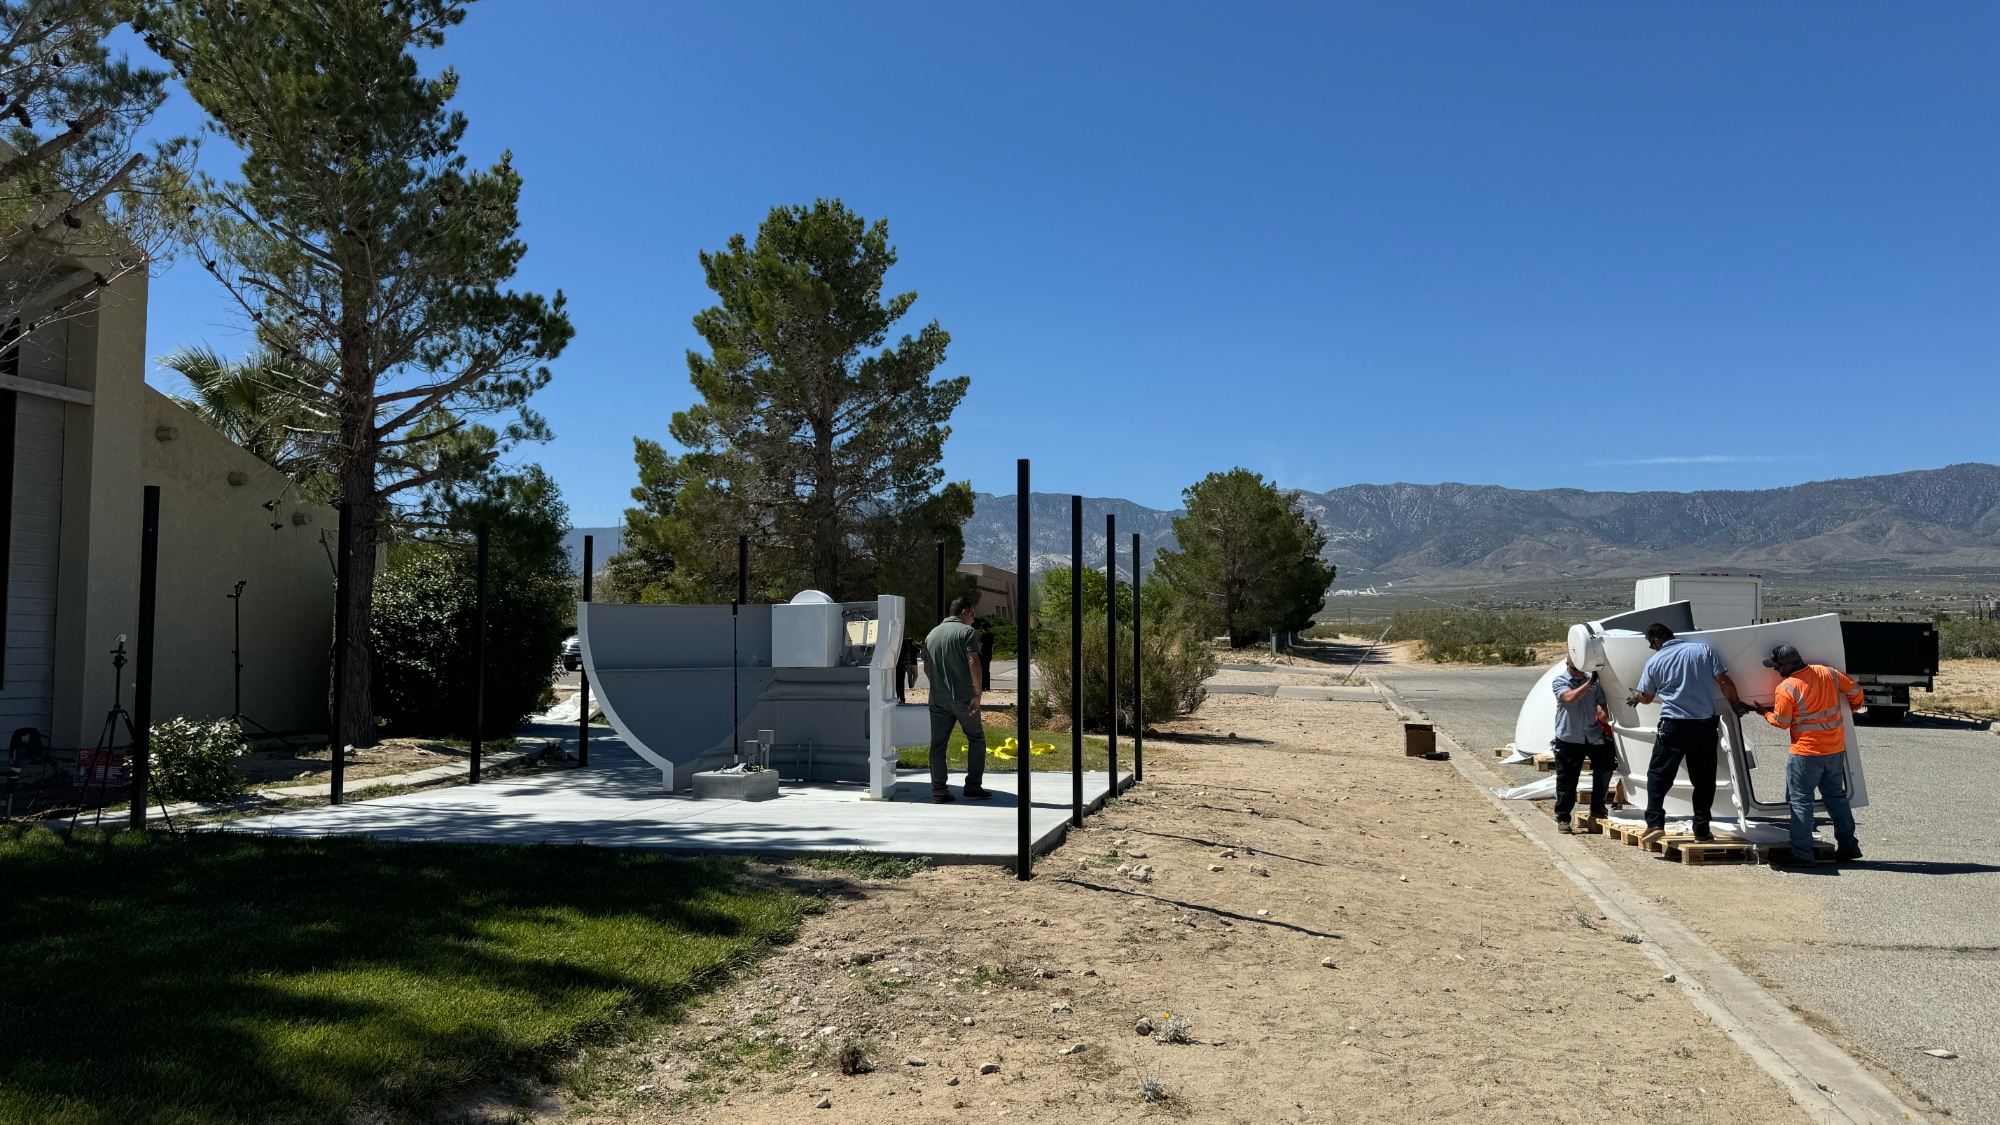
(1807, 704)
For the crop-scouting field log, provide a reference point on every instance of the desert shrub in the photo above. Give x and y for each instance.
(1176, 663)
(1476, 636)
(1177, 658)
(196, 761)
(1965, 639)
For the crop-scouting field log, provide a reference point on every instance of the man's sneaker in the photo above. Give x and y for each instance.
(975, 793)
(1786, 857)
(1650, 835)
(942, 797)
(1847, 854)
(1704, 837)
(1563, 826)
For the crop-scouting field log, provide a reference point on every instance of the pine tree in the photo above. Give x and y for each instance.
(1249, 559)
(823, 449)
(365, 250)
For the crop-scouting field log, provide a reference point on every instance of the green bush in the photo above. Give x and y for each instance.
(1965, 639)
(1476, 636)
(426, 624)
(1176, 663)
(195, 761)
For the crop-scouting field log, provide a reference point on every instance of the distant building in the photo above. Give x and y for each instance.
(84, 435)
(997, 597)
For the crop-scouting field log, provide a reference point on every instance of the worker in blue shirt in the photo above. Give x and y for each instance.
(1683, 676)
(1580, 720)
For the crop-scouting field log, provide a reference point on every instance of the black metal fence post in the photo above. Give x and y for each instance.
(336, 738)
(583, 674)
(1022, 647)
(479, 658)
(142, 661)
(1111, 648)
(1076, 660)
(1138, 677)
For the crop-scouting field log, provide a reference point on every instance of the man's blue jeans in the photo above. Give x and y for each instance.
(1828, 774)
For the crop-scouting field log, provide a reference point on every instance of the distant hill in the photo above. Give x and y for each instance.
(989, 534)
(608, 542)
(1462, 533)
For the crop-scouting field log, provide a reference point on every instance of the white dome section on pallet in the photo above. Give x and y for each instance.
(1750, 771)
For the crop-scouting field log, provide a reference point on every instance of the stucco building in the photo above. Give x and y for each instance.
(85, 435)
(997, 590)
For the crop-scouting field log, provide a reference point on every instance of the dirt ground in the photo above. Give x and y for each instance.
(280, 765)
(1963, 687)
(1352, 935)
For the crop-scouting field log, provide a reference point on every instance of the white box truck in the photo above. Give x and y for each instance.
(1719, 600)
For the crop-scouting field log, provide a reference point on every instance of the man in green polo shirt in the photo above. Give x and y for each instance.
(951, 663)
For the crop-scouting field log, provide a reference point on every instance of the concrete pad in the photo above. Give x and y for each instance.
(617, 802)
(1240, 689)
(1331, 694)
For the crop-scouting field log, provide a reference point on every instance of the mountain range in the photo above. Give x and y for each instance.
(1465, 533)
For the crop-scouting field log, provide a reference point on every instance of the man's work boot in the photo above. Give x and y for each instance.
(1704, 837)
(1650, 835)
(1847, 853)
(976, 793)
(1564, 827)
(942, 797)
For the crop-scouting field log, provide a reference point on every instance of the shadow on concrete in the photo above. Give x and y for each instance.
(1923, 867)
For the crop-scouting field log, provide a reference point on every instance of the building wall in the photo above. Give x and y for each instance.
(996, 590)
(214, 534)
(97, 583)
(34, 532)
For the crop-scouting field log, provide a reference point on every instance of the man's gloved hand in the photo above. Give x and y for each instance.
(1632, 699)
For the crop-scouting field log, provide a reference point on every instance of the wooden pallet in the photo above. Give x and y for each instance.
(1695, 853)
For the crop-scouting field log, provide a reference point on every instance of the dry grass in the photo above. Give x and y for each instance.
(1964, 687)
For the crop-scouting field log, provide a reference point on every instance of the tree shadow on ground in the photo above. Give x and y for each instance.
(218, 978)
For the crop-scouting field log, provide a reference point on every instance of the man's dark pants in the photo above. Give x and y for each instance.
(1695, 741)
(1570, 757)
(945, 712)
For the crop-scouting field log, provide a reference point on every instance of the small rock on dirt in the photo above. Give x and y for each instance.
(1072, 1049)
(1669, 979)
(915, 1061)
(952, 1081)
(824, 1103)
(989, 1068)
(967, 1021)
(1144, 1026)
(1327, 963)
(1215, 867)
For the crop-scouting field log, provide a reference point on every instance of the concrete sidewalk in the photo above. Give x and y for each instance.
(617, 802)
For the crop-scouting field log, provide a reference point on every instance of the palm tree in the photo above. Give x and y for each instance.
(271, 405)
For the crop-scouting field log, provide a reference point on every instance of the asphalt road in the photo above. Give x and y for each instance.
(1911, 956)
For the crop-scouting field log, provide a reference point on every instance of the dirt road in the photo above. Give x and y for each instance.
(1349, 934)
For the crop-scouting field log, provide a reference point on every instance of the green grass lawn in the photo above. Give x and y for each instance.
(211, 978)
(1000, 728)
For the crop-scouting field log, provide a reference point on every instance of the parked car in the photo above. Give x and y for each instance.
(572, 653)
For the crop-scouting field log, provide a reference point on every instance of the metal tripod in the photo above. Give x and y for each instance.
(107, 739)
(244, 722)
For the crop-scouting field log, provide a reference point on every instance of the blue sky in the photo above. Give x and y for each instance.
(1603, 246)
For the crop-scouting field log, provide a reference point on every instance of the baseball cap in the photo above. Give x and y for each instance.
(1783, 656)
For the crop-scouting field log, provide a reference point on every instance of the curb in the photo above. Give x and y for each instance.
(1824, 1080)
